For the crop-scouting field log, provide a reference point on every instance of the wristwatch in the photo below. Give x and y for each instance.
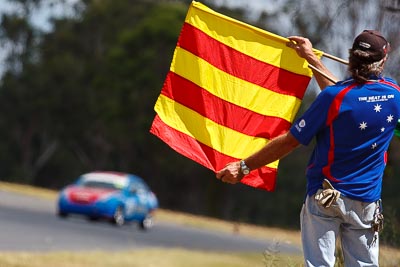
(243, 168)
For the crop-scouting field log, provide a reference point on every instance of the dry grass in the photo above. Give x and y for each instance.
(29, 190)
(389, 257)
(139, 258)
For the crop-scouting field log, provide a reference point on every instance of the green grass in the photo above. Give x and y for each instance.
(172, 257)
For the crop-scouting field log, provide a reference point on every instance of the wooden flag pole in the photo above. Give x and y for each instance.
(322, 73)
(336, 58)
(290, 44)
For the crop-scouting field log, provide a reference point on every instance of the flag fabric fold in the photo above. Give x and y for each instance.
(230, 89)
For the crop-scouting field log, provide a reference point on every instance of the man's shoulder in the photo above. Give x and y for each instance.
(336, 88)
(344, 83)
(391, 80)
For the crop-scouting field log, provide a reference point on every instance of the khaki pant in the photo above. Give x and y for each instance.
(348, 219)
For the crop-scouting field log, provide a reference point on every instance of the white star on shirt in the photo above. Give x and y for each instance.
(389, 118)
(377, 108)
(374, 145)
(382, 129)
(363, 125)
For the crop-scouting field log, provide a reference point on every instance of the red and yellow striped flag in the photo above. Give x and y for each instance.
(230, 89)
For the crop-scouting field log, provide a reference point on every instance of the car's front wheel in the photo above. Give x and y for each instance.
(119, 216)
(147, 223)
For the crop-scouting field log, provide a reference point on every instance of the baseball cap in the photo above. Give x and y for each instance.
(373, 42)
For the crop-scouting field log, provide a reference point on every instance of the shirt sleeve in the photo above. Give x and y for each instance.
(314, 119)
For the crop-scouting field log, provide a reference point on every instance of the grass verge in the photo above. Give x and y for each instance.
(140, 258)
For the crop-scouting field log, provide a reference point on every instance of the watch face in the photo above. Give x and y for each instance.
(245, 170)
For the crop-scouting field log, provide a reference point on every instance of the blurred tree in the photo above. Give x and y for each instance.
(75, 96)
(18, 129)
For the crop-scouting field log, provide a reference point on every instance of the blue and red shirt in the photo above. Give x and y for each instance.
(353, 125)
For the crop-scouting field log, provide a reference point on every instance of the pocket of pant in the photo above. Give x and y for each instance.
(319, 210)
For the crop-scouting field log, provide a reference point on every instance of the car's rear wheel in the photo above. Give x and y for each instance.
(119, 216)
(93, 218)
(147, 223)
(62, 214)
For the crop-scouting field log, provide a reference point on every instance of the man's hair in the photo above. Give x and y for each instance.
(360, 66)
(367, 55)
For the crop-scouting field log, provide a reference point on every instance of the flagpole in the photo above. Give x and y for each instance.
(336, 58)
(322, 73)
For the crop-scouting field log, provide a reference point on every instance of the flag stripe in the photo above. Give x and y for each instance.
(207, 132)
(231, 88)
(234, 90)
(252, 41)
(194, 97)
(245, 67)
(262, 178)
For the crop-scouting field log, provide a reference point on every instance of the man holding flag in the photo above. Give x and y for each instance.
(353, 122)
(229, 80)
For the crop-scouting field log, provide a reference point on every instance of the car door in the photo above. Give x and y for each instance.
(135, 204)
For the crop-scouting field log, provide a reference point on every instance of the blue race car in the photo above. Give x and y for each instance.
(117, 197)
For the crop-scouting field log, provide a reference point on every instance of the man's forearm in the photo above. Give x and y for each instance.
(276, 149)
(322, 81)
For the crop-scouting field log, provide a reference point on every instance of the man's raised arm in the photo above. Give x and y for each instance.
(304, 49)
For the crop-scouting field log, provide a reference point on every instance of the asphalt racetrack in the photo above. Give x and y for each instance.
(31, 224)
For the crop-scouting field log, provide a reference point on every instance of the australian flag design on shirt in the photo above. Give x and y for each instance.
(353, 125)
